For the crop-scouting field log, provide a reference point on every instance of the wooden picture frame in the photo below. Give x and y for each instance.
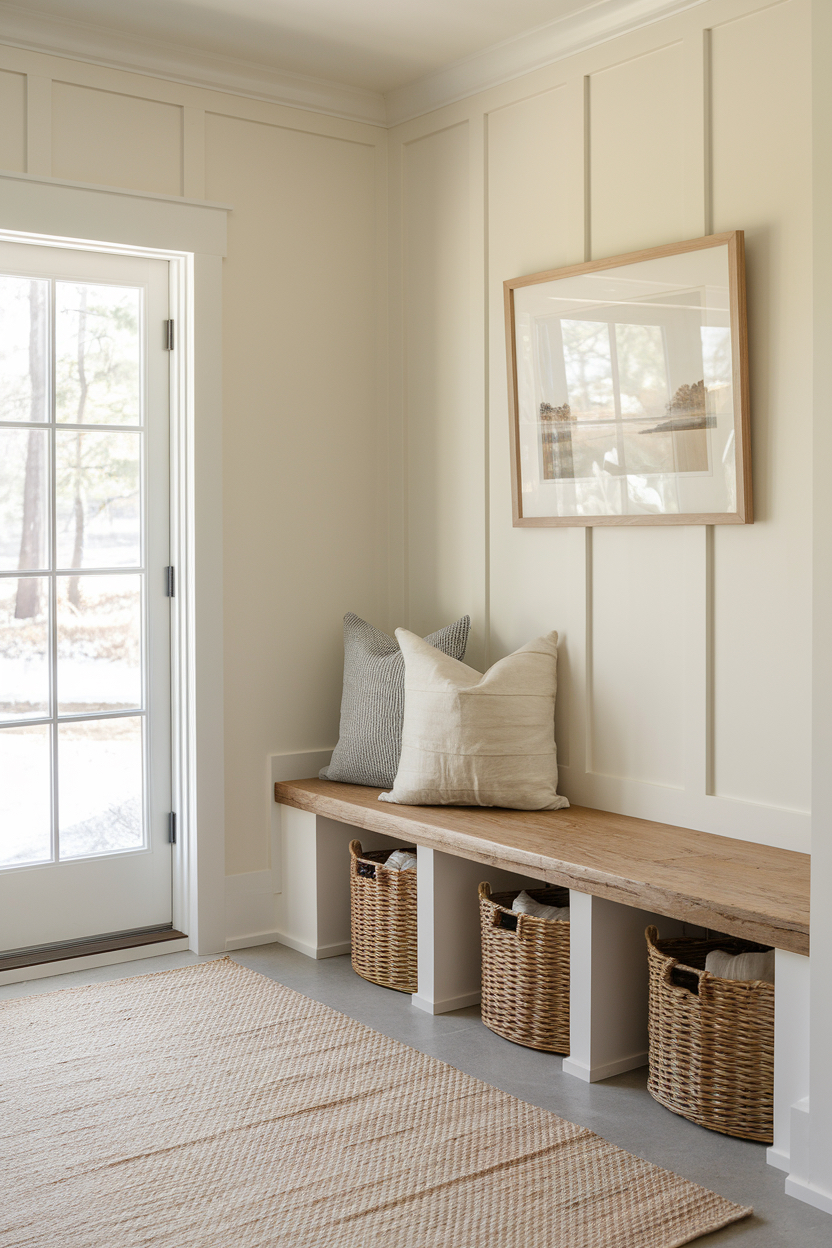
(609, 424)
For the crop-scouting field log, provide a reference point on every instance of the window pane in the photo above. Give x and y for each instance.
(99, 643)
(100, 787)
(24, 501)
(97, 479)
(588, 362)
(25, 814)
(24, 647)
(717, 367)
(24, 323)
(97, 354)
(642, 371)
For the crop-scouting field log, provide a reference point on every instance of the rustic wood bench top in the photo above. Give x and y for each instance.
(731, 886)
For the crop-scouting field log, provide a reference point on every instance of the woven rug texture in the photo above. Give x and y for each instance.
(212, 1106)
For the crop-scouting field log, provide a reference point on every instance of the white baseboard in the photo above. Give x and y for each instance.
(281, 938)
(20, 974)
(595, 1074)
(810, 1195)
(445, 1006)
(252, 939)
(777, 1158)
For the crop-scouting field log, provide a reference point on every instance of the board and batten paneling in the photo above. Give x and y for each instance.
(535, 220)
(301, 447)
(762, 626)
(111, 139)
(636, 690)
(636, 159)
(13, 129)
(444, 493)
(637, 686)
(680, 649)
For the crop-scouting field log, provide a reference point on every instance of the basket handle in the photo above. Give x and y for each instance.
(509, 921)
(366, 870)
(667, 976)
(669, 965)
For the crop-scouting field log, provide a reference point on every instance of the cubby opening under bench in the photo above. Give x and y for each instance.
(623, 873)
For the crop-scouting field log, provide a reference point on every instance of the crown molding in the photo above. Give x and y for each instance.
(527, 52)
(534, 49)
(99, 45)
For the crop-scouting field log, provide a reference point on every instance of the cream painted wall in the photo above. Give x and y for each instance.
(304, 530)
(114, 139)
(304, 364)
(685, 678)
(13, 130)
(684, 660)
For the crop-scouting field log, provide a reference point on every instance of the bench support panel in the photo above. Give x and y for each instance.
(608, 986)
(450, 959)
(791, 1054)
(448, 932)
(313, 911)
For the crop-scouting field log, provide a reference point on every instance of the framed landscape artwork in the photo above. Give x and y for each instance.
(628, 389)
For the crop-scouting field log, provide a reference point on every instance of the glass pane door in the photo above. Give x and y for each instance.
(77, 639)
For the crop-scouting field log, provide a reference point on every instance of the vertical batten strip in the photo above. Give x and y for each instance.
(480, 185)
(586, 561)
(695, 668)
(381, 175)
(709, 531)
(579, 575)
(589, 625)
(707, 127)
(580, 539)
(397, 476)
(478, 358)
(193, 152)
(699, 544)
(587, 169)
(39, 125)
(710, 540)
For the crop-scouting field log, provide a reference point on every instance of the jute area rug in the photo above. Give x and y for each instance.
(211, 1106)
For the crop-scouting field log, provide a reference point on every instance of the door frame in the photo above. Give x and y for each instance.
(191, 236)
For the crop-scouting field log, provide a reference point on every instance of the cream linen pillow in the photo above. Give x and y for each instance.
(478, 740)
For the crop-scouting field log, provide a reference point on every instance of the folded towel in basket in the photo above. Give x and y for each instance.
(524, 904)
(401, 860)
(741, 965)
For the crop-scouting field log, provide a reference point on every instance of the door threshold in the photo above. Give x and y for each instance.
(111, 942)
(93, 961)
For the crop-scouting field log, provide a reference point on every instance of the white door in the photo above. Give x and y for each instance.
(84, 613)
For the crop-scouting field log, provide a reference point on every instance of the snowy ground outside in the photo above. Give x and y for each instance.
(100, 785)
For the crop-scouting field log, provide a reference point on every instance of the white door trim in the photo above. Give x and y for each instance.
(193, 242)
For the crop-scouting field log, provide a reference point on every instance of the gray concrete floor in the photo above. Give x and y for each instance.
(618, 1109)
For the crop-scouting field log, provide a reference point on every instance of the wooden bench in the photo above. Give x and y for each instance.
(623, 873)
(732, 886)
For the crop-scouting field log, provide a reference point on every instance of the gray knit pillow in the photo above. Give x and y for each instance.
(372, 703)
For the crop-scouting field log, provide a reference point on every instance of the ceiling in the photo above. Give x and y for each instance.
(377, 45)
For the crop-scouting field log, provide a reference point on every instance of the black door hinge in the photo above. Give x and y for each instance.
(169, 335)
(172, 828)
(170, 582)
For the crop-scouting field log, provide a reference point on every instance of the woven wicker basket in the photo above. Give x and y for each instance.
(525, 970)
(383, 920)
(711, 1039)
